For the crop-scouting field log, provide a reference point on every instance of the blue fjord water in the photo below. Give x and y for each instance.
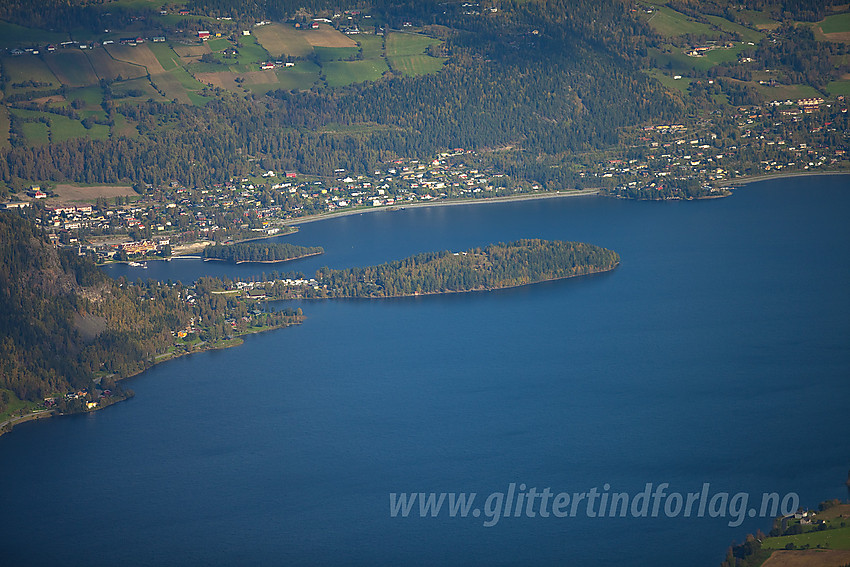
(717, 352)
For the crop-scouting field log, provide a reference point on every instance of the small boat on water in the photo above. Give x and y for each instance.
(138, 265)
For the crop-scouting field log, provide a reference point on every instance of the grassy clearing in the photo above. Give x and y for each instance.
(15, 405)
(671, 23)
(251, 52)
(280, 40)
(91, 96)
(197, 99)
(300, 77)
(676, 61)
(191, 50)
(59, 129)
(340, 73)
(13, 35)
(413, 65)
(336, 53)
(758, 19)
(141, 85)
(71, 67)
(716, 56)
(669, 82)
(137, 55)
(170, 85)
(399, 44)
(785, 92)
(167, 57)
(122, 127)
(206, 68)
(326, 36)
(834, 539)
(746, 34)
(218, 44)
(838, 23)
(36, 133)
(837, 88)
(371, 46)
(27, 68)
(63, 128)
(69, 192)
(185, 80)
(110, 69)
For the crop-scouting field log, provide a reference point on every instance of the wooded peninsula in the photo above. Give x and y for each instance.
(70, 332)
(496, 266)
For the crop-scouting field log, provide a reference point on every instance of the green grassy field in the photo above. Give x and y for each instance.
(219, 44)
(280, 39)
(35, 132)
(785, 92)
(251, 52)
(724, 55)
(746, 33)
(63, 128)
(72, 67)
(197, 99)
(165, 55)
(179, 85)
(300, 77)
(13, 35)
(677, 62)
(170, 85)
(680, 85)
(194, 68)
(340, 73)
(372, 46)
(122, 127)
(110, 69)
(835, 539)
(185, 79)
(142, 85)
(836, 88)
(335, 53)
(671, 23)
(25, 68)
(413, 65)
(837, 23)
(758, 19)
(92, 96)
(399, 44)
(15, 405)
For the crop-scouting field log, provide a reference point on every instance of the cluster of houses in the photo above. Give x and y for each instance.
(674, 152)
(51, 401)
(701, 50)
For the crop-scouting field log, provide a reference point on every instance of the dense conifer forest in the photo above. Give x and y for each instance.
(259, 252)
(495, 266)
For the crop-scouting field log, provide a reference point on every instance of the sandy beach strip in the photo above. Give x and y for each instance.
(442, 203)
(746, 180)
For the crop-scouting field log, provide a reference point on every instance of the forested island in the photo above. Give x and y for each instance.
(265, 252)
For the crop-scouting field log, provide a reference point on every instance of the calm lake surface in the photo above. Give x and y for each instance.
(718, 352)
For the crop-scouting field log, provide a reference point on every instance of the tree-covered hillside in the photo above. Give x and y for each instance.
(64, 324)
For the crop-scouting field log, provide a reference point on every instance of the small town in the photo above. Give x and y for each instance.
(666, 161)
